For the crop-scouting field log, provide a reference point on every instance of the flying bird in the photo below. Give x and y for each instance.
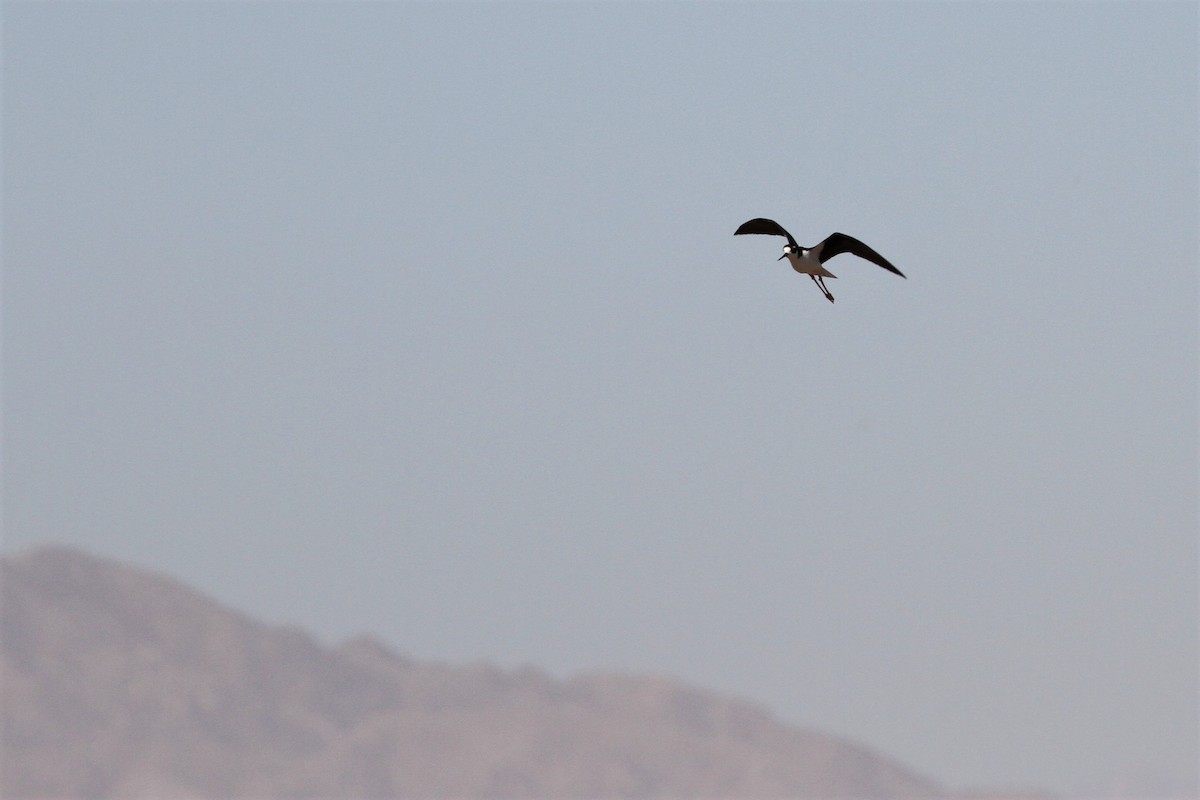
(810, 261)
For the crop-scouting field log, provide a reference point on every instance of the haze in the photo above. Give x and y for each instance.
(429, 320)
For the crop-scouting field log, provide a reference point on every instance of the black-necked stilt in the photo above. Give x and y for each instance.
(810, 261)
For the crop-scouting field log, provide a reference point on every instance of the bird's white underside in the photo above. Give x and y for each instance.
(806, 264)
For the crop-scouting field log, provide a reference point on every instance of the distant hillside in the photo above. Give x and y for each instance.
(120, 683)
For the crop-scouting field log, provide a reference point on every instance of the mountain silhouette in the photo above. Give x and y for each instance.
(121, 683)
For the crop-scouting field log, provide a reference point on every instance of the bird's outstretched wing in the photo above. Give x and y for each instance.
(837, 243)
(768, 226)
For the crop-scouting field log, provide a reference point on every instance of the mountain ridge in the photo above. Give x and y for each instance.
(120, 682)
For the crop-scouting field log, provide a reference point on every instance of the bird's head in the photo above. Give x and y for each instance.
(787, 251)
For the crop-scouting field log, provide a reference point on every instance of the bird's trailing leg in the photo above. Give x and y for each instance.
(821, 285)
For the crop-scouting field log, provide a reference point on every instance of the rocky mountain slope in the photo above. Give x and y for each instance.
(121, 683)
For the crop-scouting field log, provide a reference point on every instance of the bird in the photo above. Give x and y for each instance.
(810, 261)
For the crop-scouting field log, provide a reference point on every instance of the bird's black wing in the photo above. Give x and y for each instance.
(837, 243)
(768, 226)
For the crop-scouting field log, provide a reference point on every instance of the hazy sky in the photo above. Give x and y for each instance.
(427, 319)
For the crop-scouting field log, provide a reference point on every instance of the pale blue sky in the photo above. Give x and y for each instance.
(428, 320)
